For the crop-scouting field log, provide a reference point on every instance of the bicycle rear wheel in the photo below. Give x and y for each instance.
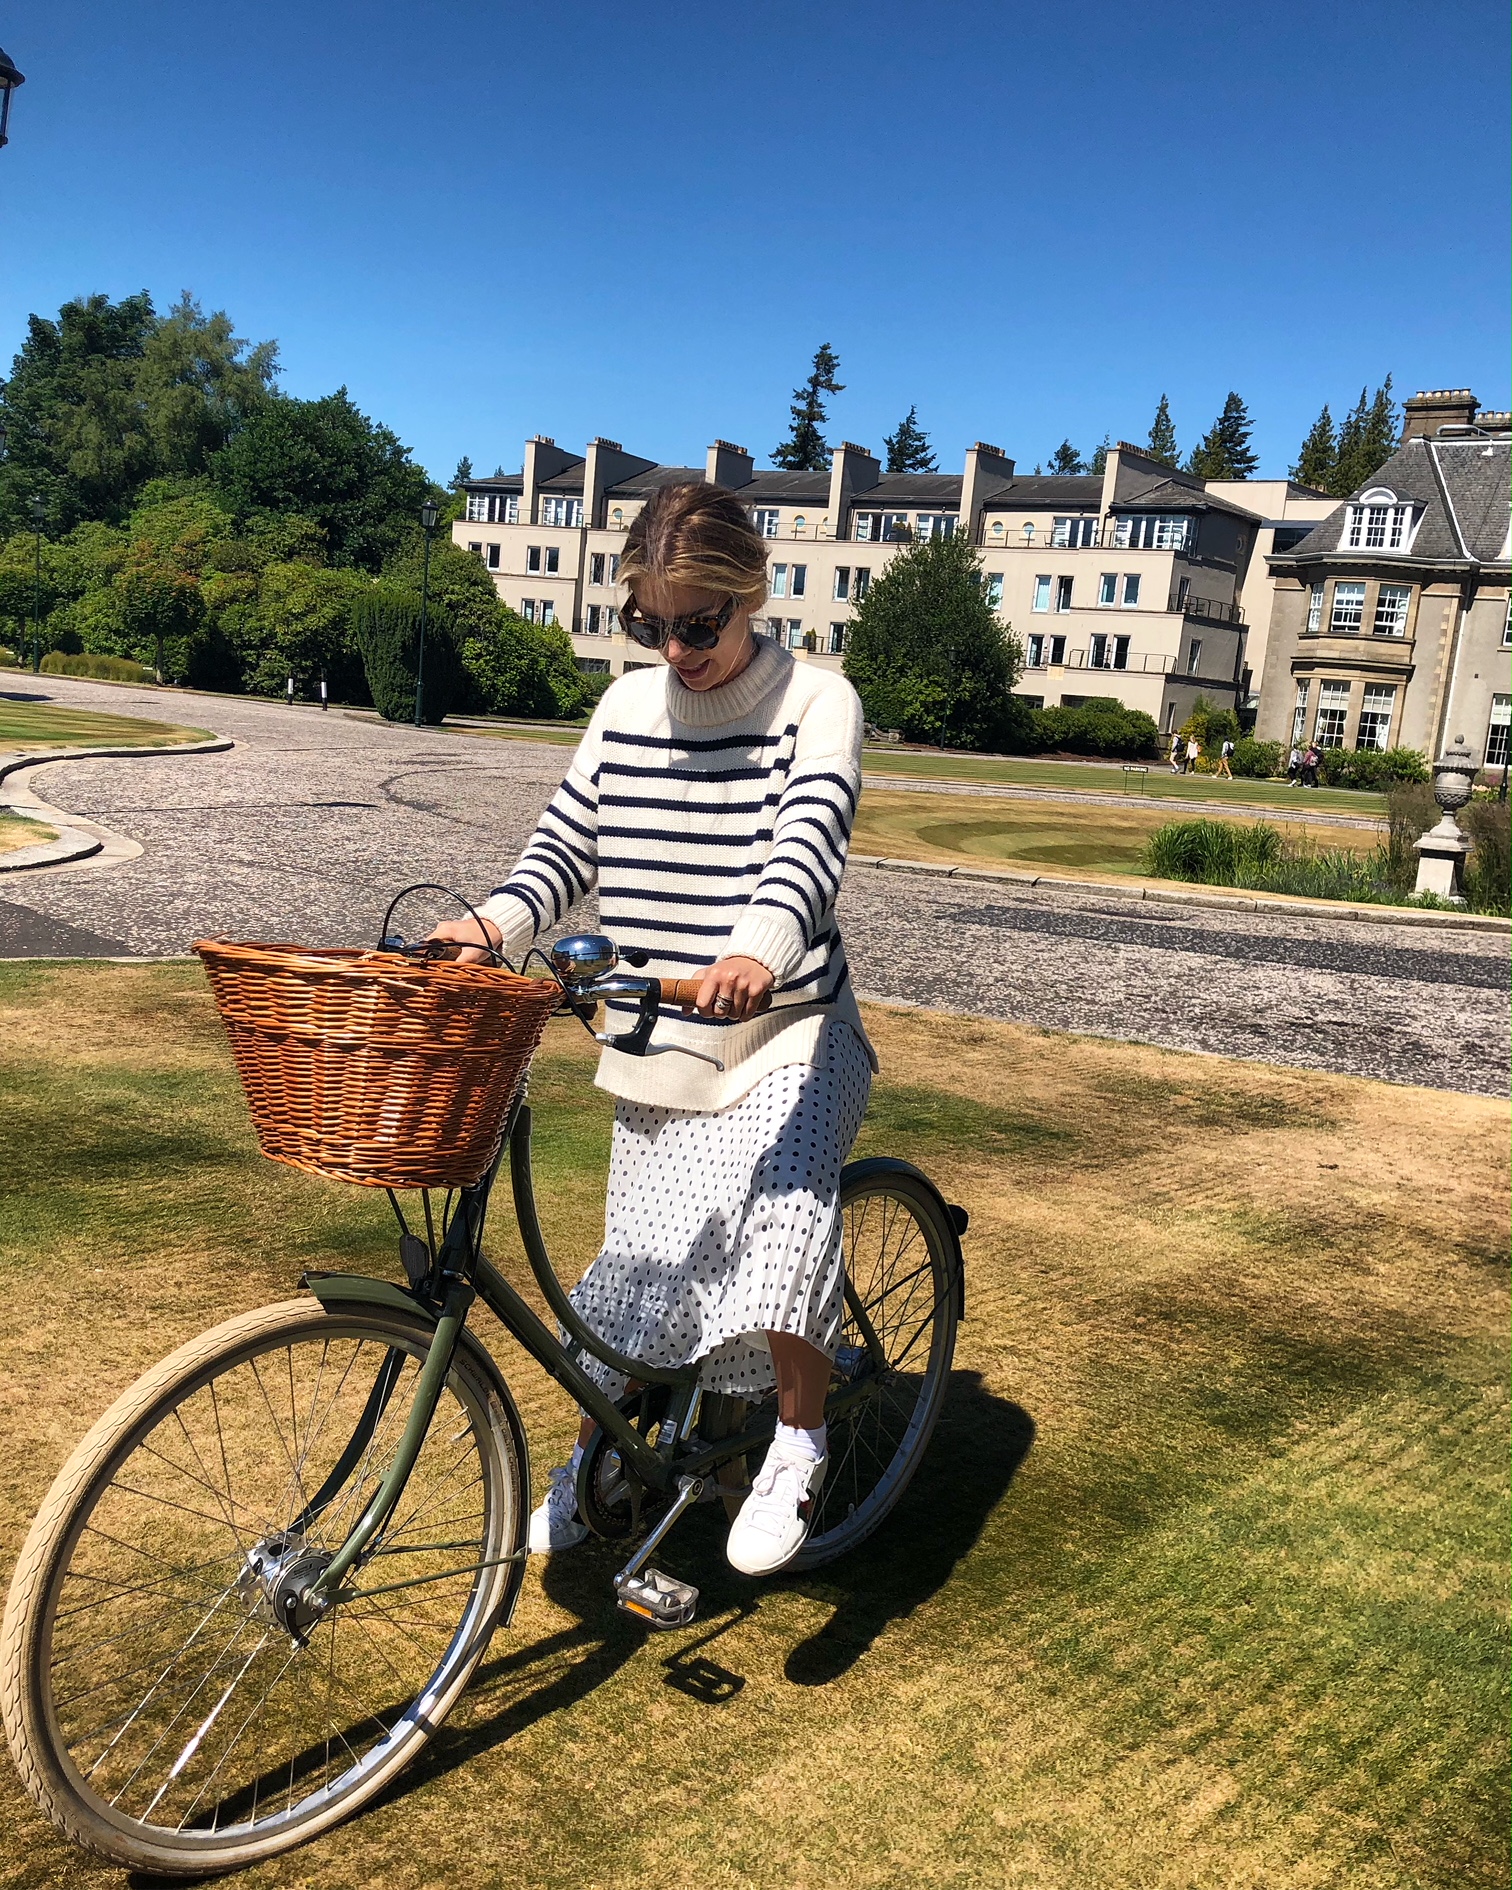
(902, 1267)
(172, 1701)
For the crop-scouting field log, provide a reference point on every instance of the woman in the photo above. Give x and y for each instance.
(710, 804)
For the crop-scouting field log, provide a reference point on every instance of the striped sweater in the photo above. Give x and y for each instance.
(712, 824)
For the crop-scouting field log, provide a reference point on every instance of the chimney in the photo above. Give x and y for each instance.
(985, 466)
(543, 460)
(728, 465)
(1426, 412)
(605, 464)
(853, 469)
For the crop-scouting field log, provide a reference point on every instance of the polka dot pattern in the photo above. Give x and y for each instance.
(720, 1227)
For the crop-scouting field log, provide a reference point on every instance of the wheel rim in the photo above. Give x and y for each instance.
(898, 1265)
(191, 1689)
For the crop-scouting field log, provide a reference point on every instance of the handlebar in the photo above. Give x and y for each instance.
(682, 991)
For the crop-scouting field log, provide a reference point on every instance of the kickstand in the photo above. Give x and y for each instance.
(647, 1592)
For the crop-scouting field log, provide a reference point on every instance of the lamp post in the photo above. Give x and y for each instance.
(430, 517)
(39, 514)
(10, 78)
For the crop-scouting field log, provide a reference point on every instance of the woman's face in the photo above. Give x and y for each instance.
(698, 669)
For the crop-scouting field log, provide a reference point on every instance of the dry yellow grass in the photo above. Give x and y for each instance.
(17, 831)
(1199, 1591)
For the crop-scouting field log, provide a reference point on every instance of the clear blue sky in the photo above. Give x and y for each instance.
(492, 219)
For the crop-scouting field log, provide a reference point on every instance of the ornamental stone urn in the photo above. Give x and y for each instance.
(1442, 850)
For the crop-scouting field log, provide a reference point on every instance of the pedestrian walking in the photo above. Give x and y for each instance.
(1175, 754)
(1225, 770)
(1294, 766)
(1311, 762)
(1193, 750)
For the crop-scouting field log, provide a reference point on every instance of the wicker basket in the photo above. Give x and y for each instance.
(371, 1067)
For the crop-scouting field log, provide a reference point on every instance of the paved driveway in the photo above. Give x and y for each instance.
(311, 821)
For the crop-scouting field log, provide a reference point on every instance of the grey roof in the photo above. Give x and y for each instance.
(1175, 495)
(642, 484)
(504, 482)
(1034, 489)
(779, 487)
(1459, 485)
(902, 489)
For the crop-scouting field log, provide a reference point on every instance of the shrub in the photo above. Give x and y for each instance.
(102, 668)
(519, 668)
(386, 629)
(1487, 886)
(1212, 852)
(1410, 811)
(1103, 727)
(1369, 768)
(1258, 761)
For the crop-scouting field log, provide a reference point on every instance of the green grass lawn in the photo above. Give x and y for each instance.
(1054, 837)
(28, 725)
(17, 831)
(1202, 1584)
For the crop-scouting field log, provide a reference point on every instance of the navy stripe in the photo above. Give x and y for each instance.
(709, 746)
(685, 839)
(689, 807)
(685, 774)
(635, 922)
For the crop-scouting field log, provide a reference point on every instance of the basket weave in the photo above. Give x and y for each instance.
(370, 1067)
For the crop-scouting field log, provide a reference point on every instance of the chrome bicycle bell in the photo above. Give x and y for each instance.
(583, 957)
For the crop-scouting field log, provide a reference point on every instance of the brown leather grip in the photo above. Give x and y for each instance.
(685, 991)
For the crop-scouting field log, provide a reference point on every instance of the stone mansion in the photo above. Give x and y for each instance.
(1142, 582)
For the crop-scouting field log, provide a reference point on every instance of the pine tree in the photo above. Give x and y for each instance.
(1319, 451)
(1366, 440)
(908, 450)
(1163, 436)
(804, 450)
(1100, 455)
(463, 473)
(1066, 459)
(1225, 452)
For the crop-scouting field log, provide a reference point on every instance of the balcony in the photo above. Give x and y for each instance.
(1210, 609)
(1137, 663)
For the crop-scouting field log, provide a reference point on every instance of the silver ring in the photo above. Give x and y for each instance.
(721, 1004)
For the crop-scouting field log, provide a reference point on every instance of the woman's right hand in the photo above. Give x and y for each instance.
(464, 932)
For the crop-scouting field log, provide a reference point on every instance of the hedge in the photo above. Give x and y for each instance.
(102, 668)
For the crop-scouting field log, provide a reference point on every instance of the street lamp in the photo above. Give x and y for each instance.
(39, 515)
(10, 78)
(430, 518)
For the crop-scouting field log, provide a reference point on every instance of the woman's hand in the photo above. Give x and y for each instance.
(733, 989)
(464, 932)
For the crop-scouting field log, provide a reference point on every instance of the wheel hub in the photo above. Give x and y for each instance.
(277, 1581)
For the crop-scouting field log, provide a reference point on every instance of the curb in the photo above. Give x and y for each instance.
(16, 762)
(1236, 902)
(72, 843)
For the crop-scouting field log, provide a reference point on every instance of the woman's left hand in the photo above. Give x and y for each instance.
(733, 989)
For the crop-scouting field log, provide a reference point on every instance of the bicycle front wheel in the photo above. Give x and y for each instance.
(902, 1269)
(173, 1701)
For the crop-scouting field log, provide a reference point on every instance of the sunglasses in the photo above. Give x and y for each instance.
(698, 632)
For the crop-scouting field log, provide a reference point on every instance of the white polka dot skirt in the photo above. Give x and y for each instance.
(720, 1227)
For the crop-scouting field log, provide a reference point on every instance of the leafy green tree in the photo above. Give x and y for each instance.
(908, 450)
(926, 651)
(1224, 451)
(1318, 455)
(328, 462)
(519, 668)
(804, 450)
(386, 621)
(1066, 459)
(197, 384)
(161, 609)
(458, 580)
(463, 473)
(1100, 452)
(1367, 439)
(302, 624)
(1162, 443)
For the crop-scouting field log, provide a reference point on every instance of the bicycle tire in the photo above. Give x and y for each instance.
(876, 1446)
(36, 1713)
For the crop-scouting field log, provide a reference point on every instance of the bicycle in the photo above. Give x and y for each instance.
(261, 1581)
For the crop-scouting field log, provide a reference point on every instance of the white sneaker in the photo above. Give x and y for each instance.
(774, 1519)
(555, 1523)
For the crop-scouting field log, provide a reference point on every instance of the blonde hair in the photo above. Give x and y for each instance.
(700, 536)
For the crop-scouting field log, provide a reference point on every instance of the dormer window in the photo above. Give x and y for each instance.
(1151, 531)
(1073, 531)
(556, 511)
(765, 519)
(1377, 521)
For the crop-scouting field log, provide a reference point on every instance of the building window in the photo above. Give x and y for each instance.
(532, 557)
(765, 520)
(1042, 593)
(1497, 733)
(1183, 592)
(492, 557)
(477, 508)
(528, 609)
(994, 588)
(863, 581)
(1391, 610)
(1194, 655)
(1333, 713)
(611, 619)
(614, 567)
(1315, 610)
(837, 639)
(555, 511)
(617, 520)
(1131, 590)
(1507, 627)
(595, 615)
(1109, 652)
(1151, 531)
(799, 525)
(1073, 531)
(596, 568)
(1063, 593)
(1375, 716)
(593, 665)
(476, 547)
(1045, 651)
(548, 610)
(779, 580)
(1376, 526)
(934, 524)
(493, 508)
(800, 581)
(867, 526)
(842, 582)
(1107, 588)
(1299, 715)
(1348, 611)
(795, 633)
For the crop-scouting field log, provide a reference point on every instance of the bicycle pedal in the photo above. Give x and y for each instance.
(657, 1598)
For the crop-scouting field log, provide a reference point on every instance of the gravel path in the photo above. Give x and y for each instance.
(308, 825)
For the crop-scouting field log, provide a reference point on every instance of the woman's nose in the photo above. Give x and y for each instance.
(675, 649)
